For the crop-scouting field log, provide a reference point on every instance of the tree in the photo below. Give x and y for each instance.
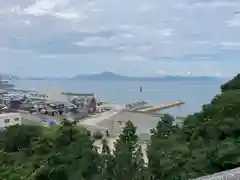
(73, 156)
(139, 163)
(162, 155)
(233, 84)
(82, 159)
(66, 134)
(17, 137)
(165, 127)
(108, 164)
(189, 126)
(206, 142)
(127, 160)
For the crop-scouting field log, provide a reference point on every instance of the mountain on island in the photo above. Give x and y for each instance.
(116, 77)
(101, 76)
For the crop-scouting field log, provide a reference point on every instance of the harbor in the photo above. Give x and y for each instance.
(51, 106)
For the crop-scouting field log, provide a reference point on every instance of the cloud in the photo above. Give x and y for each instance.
(91, 35)
(133, 58)
(42, 7)
(235, 21)
(99, 41)
(48, 56)
(230, 45)
(145, 7)
(25, 22)
(202, 42)
(55, 8)
(166, 32)
(6, 49)
(209, 4)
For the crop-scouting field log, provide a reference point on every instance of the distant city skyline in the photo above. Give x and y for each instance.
(63, 38)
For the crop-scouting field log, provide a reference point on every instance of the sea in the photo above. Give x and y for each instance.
(193, 93)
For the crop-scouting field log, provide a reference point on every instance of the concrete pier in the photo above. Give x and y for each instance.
(162, 106)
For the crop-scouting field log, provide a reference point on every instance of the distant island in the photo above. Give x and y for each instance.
(110, 76)
(8, 77)
(117, 77)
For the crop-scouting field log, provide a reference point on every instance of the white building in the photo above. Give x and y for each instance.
(9, 119)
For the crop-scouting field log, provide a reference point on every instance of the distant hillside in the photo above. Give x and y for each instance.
(8, 77)
(113, 76)
(109, 76)
(101, 76)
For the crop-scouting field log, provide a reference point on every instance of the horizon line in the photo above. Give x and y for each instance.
(127, 76)
(117, 74)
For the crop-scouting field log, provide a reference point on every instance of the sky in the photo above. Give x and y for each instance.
(132, 37)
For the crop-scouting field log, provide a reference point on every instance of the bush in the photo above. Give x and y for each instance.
(98, 135)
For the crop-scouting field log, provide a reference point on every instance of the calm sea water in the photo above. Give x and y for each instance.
(194, 94)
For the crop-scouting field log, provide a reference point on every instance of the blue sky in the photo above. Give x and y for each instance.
(131, 37)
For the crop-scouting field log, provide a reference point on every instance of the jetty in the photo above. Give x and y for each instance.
(161, 106)
(136, 105)
(78, 94)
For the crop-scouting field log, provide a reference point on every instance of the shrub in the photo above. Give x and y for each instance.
(98, 135)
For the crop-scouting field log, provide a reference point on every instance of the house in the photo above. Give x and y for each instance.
(9, 119)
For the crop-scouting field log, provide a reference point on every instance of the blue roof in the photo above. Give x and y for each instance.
(52, 123)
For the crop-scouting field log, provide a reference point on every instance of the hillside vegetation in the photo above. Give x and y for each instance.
(207, 142)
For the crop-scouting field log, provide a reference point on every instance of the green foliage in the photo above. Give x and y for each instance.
(233, 84)
(107, 162)
(29, 153)
(127, 155)
(97, 135)
(207, 142)
(17, 137)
